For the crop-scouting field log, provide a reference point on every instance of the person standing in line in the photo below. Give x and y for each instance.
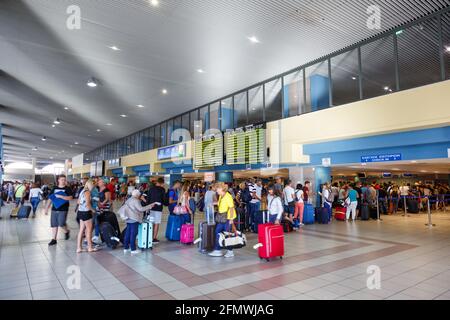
(300, 205)
(85, 216)
(306, 192)
(255, 204)
(156, 195)
(10, 197)
(327, 199)
(353, 203)
(224, 219)
(35, 197)
(210, 199)
(289, 200)
(275, 206)
(174, 194)
(61, 195)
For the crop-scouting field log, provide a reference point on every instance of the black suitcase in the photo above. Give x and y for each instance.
(412, 205)
(257, 220)
(240, 221)
(287, 226)
(365, 212)
(111, 218)
(109, 235)
(207, 233)
(322, 215)
(373, 212)
(24, 212)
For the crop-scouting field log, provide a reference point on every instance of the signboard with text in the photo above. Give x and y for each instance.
(381, 158)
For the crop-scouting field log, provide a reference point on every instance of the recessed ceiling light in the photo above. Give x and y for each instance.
(200, 71)
(154, 3)
(123, 115)
(76, 143)
(386, 88)
(92, 83)
(164, 91)
(447, 48)
(44, 139)
(53, 125)
(354, 78)
(109, 124)
(140, 106)
(57, 121)
(114, 48)
(66, 108)
(98, 130)
(253, 39)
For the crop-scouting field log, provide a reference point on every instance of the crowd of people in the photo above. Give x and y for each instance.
(241, 204)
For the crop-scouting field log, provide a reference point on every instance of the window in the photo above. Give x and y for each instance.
(273, 108)
(345, 76)
(378, 67)
(446, 42)
(240, 110)
(194, 118)
(256, 105)
(294, 96)
(226, 114)
(163, 134)
(151, 138)
(204, 117)
(157, 135)
(170, 126)
(418, 55)
(214, 115)
(318, 87)
(185, 121)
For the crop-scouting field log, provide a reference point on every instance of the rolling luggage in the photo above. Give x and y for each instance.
(271, 241)
(240, 221)
(187, 234)
(373, 212)
(24, 212)
(340, 214)
(308, 214)
(257, 220)
(14, 213)
(365, 212)
(412, 206)
(111, 218)
(109, 235)
(173, 231)
(287, 226)
(145, 235)
(207, 233)
(322, 215)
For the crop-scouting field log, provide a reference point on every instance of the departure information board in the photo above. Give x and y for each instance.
(246, 145)
(208, 151)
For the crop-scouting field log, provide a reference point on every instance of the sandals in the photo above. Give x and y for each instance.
(81, 251)
(93, 250)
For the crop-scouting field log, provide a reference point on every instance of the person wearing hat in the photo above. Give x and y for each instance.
(133, 214)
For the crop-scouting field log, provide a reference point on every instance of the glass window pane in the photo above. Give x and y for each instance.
(157, 136)
(163, 134)
(194, 117)
(169, 132)
(293, 94)
(185, 121)
(227, 114)
(214, 115)
(204, 117)
(151, 138)
(317, 86)
(240, 110)
(446, 41)
(378, 67)
(256, 105)
(418, 55)
(345, 76)
(273, 108)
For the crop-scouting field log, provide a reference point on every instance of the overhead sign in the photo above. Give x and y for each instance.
(208, 151)
(114, 163)
(246, 145)
(326, 162)
(381, 158)
(210, 176)
(173, 152)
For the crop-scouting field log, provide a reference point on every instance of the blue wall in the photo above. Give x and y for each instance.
(320, 92)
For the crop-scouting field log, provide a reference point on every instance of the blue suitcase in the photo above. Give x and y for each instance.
(173, 228)
(258, 219)
(322, 215)
(308, 214)
(24, 212)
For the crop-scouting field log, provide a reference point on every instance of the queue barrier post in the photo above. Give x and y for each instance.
(405, 214)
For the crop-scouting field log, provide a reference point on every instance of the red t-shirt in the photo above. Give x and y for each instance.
(111, 188)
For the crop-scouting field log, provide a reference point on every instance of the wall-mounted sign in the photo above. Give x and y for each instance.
(210, 176)
(246, 145)
(381, 158)
(208, 151)
(173, 152)
(326, 162)
(114, 163)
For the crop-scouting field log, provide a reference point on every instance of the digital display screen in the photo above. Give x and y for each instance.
(208, 152)
(93, 169)
(173, 152)
(246, 146)
(99, 170)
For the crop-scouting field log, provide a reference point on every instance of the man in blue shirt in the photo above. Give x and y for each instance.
(173, 195)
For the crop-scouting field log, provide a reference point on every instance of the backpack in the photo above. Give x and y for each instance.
(246, 195)
(167, 198)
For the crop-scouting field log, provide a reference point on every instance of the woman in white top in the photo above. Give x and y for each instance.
(35, 197)
(85, 216)
(275, 205)
(300, 205)
(289, 200)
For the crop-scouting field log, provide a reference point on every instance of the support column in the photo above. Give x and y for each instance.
(321, 176)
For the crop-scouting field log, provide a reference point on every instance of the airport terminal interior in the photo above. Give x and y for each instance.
(224, 150)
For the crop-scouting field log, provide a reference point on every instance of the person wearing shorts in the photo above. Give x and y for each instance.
(59, 213)
(156, 194)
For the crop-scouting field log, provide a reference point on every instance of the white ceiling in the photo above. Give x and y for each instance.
(45, 65)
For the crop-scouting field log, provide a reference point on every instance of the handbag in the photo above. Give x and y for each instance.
(179, 210)
(229, 241)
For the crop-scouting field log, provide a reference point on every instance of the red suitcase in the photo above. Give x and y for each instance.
(271, 239)
(340, 214)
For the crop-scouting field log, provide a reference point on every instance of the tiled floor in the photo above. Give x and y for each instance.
(321, 262)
